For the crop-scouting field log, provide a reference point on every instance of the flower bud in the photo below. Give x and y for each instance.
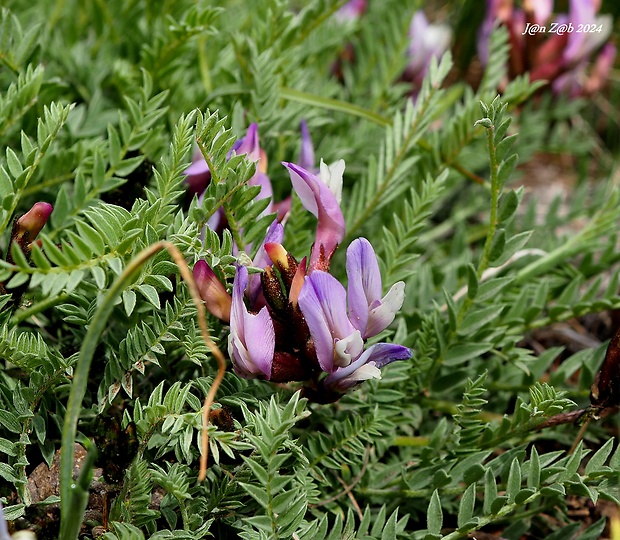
(211, 290)
(27, 227)
(33, 221)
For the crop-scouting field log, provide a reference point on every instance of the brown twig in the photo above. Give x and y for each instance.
(573, 416)
(188, 277)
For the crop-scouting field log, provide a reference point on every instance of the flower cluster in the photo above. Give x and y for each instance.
(295, 321)
(572, 51)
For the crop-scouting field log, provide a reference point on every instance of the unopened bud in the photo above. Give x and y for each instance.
(211, 290)
(33, 221)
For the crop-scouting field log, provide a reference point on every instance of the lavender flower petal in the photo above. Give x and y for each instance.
(306, 154)
(366, 366)
(323, 303)
(251, 342)
(368, 312)
(317, 198)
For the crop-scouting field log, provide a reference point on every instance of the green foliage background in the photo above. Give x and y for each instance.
(98, 99)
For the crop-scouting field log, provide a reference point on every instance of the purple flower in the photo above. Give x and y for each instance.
(339, 345)
(251, 342)
(427, 41)
(368, 312)
(367, 366)
(321, 197)
(199, 176)
(561, 58)
(351, 11)
(338, 335)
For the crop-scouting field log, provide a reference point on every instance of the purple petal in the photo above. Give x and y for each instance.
(317, 198)
(366, 366)
(306, 154)
(266, 191)
(582, 44)
(323, 303)
(381, 316)
(426, 41)
(249, 144)
(495, 9)
(351, 11)
(364, 282)
(251, 343)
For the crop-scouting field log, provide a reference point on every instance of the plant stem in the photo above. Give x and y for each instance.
(495, 189)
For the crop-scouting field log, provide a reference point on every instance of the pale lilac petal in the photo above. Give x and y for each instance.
(266, 191)
(197, 167)
(364, 282)
(317, 198)
(306, 154)
(306, 185)
(351, 11)
(361, 374)
(249, 144)
(381, 316)
(377, 356)
(348, 349)
(323, 303)
(251, 342)
(426, 41)
(582, 44)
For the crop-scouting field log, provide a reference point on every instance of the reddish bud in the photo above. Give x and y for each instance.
(211, 290)
(34, 220)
